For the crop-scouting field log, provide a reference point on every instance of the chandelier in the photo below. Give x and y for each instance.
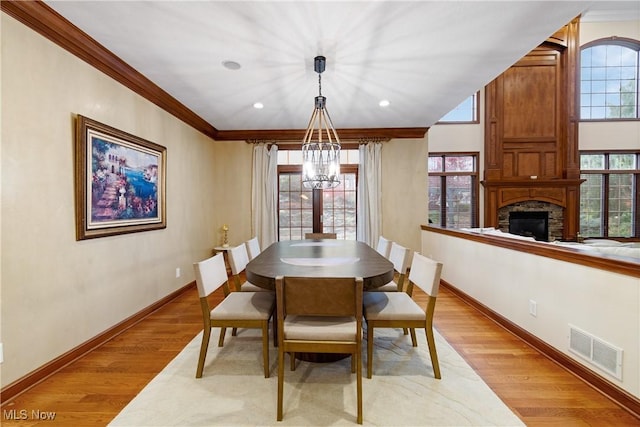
(321, 145)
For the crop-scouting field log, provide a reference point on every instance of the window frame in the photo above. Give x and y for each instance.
(317, 194)
(475, 185)
(615, 41)
(606, 173)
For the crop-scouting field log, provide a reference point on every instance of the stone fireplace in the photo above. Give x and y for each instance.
(555, 216)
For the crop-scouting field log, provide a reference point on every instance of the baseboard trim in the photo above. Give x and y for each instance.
(23, 384)
(601, 384)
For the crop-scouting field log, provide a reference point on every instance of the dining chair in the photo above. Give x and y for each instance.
(253, 248)
(320, 235)
(236, 310)
(383, 247)
(400, 257)
(238, 260)
(319, 315)
(399, 310)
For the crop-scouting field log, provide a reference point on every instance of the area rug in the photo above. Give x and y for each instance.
(234, 392)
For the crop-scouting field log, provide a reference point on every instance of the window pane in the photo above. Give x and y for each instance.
(608, 81)
(339, 208)
(459, 197)
(435, 164)
(459, 164)
(620, 207)
(592, 161)
(435, 201)
(464, 112)
(591, 205)
(295, 211)
(622, 161)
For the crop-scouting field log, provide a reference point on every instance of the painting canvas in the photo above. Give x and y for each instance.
(120, 182)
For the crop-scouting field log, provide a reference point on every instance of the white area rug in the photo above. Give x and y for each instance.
(234, 392)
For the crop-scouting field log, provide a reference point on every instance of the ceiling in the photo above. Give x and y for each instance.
(424, 57)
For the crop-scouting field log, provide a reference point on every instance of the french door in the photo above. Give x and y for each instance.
(302, 210)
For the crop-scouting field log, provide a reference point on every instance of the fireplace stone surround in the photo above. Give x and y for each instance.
(556, 213)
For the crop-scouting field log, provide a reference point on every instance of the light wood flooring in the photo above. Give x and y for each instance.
(95, 388)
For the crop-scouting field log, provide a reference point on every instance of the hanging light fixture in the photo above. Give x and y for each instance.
(321, 145)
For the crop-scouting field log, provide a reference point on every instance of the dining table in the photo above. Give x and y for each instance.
(319, 258)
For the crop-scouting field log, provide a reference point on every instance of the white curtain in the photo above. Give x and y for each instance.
(369, 197)
(264, 194)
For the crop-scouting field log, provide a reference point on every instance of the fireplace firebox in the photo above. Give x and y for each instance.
(530, 223)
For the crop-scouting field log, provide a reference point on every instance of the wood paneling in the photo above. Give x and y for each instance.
(531, 133)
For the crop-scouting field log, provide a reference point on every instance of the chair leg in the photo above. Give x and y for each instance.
(353, 363)
(431, 342)
(414, 341)
(206, 333)
(221, 339)
(265, 348)
(369, 350)
(280, 383)
(405, 331)
(358, 357)
(234, 332)
(292, 360)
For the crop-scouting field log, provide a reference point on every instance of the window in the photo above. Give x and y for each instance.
(609, 79)
(466, 112)
(302, 210)
(453, 189)
(609, 197)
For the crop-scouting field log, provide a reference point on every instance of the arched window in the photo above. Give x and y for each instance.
(609, 79)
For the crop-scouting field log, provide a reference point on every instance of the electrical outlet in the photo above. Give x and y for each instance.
(178, 272)
(533, 308)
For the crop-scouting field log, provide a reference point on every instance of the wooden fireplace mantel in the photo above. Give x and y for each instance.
(562, 192)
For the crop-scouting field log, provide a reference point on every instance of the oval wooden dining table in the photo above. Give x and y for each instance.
(319, 258)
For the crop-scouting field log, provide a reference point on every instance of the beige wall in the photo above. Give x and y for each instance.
(58, 292)
(599, 302)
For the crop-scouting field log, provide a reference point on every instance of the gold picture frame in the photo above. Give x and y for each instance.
(120, 181)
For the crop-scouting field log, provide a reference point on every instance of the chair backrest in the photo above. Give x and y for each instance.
(384, 246)
(400, 257)
(210, 274)
(238, 259)
(320, 235)
(425, 273)
(319, 296)
(253, 248)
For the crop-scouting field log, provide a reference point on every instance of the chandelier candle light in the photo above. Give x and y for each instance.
(321, 145)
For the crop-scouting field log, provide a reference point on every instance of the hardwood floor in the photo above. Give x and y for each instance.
(93, 390)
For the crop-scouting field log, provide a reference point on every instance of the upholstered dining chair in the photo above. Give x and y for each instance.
(253, 248)
(238, 260)
(399, 310)
(320, 235)
(236, 310)
(384, 246)
(400, 257)
(319, 315)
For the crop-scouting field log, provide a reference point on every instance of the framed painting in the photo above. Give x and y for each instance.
(120, 181)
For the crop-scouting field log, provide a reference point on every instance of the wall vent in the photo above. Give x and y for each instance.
(596, 351)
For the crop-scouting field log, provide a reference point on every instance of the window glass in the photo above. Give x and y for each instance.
(608, 197)
(453, 190)
(609, 80)
(465, 112)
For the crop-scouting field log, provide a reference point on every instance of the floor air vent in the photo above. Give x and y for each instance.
(600, 353)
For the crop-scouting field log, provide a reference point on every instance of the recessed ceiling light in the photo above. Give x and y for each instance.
(258, 105)
(231, 65)
(384, 103)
